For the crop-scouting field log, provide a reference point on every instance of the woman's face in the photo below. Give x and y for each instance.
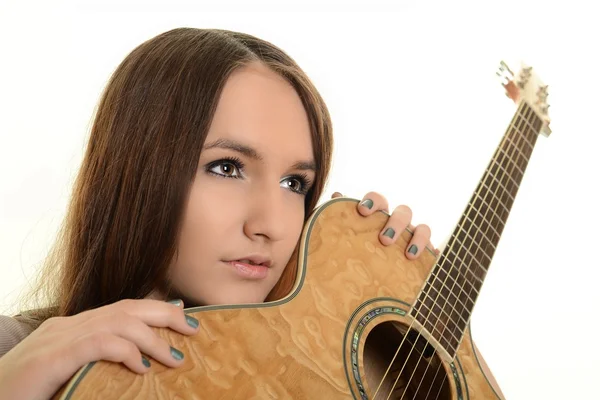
(246, 204)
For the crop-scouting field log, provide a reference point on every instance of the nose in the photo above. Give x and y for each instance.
(268, 213)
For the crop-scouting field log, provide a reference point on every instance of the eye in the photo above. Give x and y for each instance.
(228, 168)
(297, 184)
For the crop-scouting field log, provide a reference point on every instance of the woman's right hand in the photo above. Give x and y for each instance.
(38, 366)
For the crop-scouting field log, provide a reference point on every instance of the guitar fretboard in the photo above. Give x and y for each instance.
(446, 302)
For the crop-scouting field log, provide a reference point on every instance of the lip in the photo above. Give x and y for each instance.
(255, 258)
(249, 271)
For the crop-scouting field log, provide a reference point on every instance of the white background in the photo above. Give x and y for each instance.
(417, 113)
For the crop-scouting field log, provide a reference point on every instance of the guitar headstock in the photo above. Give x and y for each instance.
(527, 86)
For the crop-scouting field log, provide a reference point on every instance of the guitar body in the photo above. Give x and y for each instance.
(352, 300)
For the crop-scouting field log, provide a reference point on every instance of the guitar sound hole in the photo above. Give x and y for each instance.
(422, 375)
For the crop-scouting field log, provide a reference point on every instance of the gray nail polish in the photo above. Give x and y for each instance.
(389, 232)
(367, 203)
(176, 354)
(413, 249)
(191, 321)
(177, 302)
(146, 362)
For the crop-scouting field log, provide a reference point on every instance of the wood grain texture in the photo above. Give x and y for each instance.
(298, 347)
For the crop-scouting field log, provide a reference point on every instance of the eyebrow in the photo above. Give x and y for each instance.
(253, 154)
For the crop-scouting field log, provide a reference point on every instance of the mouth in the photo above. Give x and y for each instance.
(251, 267)
(253, 260)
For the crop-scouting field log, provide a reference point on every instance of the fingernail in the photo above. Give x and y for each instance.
(367, 203)
(191, 321)
(389, 232)
(413, 249)
(177, 302)
(146, 362)
(176, 354)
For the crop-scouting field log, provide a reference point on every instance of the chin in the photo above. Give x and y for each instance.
(232, 297)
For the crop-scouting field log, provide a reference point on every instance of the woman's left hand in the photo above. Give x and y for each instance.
(399, 220)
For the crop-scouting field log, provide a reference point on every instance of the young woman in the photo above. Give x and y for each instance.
(208, 152)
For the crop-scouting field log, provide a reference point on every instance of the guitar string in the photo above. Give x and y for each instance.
(402, 343)
(524, 123)
(462, 263)
(517, 131)
(532, 129)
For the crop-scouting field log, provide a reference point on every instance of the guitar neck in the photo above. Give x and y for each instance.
(446, 302)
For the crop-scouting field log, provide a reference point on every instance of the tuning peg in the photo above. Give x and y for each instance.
(544, 109)
(542, 93)
(505, 67)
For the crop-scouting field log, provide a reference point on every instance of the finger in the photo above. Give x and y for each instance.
(395, 225)
(159, 314)
(372, 202)
(336, 194)
(420, 238)
(411, 228)
(134, 330)
(106, 346)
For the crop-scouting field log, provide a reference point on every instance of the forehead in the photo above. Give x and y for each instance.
(261, 109)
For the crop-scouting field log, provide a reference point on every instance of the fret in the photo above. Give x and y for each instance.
(451, 292)
(519, 150)
(479, 204)
(489, 226)
(466, 255)
(446, 295)
(499, 201)
(457, 292)
(505, 202)
(441, 331)
(513, 150)
(504, 188)
(434, 326)
(500, 166)
(447, 275)
(512, 162)
(479, 219)
(449, 347)
(523, 159)
(506, 159)
(478, 279)
(476, 271)
(523, 140)
(463, 262)
(523, 124)
(533, 127)
(476, 241)
(491, 205)
(491, 210)
(443, 308)
(503, 197)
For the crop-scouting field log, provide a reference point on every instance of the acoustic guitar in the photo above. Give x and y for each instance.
(361, 321)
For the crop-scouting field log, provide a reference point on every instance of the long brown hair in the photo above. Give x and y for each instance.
(122, 224)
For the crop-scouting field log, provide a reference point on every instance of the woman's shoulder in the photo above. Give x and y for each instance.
(13, 330)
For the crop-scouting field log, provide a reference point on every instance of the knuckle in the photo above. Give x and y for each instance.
(131, 350)
(124, 304)
(51, 324)
(424, 230)
(101, 342)
(403, 212)
(121, 318)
